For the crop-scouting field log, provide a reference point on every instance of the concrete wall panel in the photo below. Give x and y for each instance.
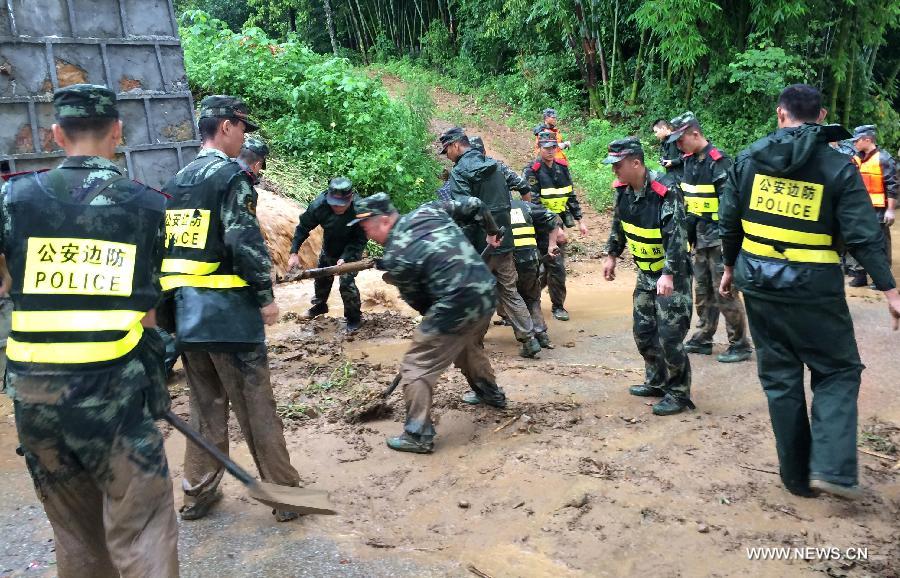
(135, 123)
(39, 18)
(148, 18)
(23, 70)
(78, 63)
(15, 129)
(171, 120)
(173, 66)
(45, 119)
(134, 68)
(96, 19)
(154, 167)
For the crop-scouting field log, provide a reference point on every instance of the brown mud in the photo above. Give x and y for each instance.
(575, 477)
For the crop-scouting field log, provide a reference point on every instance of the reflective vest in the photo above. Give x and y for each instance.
(560, 154)
(640, 222)
(522, 226)
(701, 198)
(196, 255)
(788, 219)
(82, 274)
(553, 195)
(870, 170)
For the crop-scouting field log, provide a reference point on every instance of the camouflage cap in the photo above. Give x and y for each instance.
(622, 148)
(477, 143)
(224, 106)
(551, 112)
(374, 206)
(450, 136)
(866, 130)
(340, 192)
(257, 147)
(681, 123)
(85, 101)
(547, 140)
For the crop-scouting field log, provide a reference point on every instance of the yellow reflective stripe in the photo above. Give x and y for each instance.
(702, 205)
(557, 205)
(646, 250)
(651, 266)
(188, 266)
(525, 242)
(877, 200)
(641, 232)
(556, 192)
(786, 235)
(689, 188)
(795, 255)
(77, 352)
(206, 281)
(38, 321)
(522, 231)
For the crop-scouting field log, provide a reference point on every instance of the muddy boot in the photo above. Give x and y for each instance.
(839, 490)
(530, 348)
(316, 310)
(543, 340)
(701, 348)
(285, 515)
(735, 354)
(560, 313)
(859, 279)
(645, 390)
(353, 324)
(407, 442)
(201, 505)
(670, 405)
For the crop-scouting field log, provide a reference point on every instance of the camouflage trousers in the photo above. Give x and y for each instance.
(529, 286)
(853, 265)
(100, 471)
(660, 325)
(553, 277)
(239, 380)
(708, 270)
(429, 356)
(503, 267)
(346, 286)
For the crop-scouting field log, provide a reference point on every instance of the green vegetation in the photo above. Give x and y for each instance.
(320, 112)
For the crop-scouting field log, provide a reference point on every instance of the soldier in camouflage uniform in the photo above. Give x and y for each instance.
(252, 157)
(478, 176)
(649, 219)
(705, 170)
(221, 248)
(332, 210)
(85, 405)
(669, 153)
(440, 275)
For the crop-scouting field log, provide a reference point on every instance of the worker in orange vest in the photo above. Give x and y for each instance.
(549, 124)
(879, 173)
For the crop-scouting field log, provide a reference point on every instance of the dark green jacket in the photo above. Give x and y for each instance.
(339, 241)
(436, 269)
(671, 152)
(481, 177)
(802, 154)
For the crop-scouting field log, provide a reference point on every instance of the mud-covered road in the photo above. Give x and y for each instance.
(574, 478)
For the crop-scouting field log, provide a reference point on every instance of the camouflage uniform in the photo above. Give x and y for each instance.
(660, 323)
(88, 437)
(528, 264)
(239, 379)
(709, 167)
(440, 275)
(339, 242)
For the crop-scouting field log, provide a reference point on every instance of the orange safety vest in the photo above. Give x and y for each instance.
(870, 170)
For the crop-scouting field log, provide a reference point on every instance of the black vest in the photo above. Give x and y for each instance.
(196, 254)
(640, 221)
(82, 274)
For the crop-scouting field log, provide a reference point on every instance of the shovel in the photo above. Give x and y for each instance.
(298, 500)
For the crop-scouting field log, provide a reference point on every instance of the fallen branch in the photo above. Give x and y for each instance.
(757, 469)
(477, 572)
(876, 455)
(507, 424)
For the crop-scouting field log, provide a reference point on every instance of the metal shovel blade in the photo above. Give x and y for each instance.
(300, 500)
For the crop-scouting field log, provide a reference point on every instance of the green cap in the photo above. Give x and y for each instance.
(477, 143)
(866, 130)
(547, 140)
(85, 101)
(374, 206)
(619, 149)
(450, 136)
(340, 192)
(224, 106)
(681, 123)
